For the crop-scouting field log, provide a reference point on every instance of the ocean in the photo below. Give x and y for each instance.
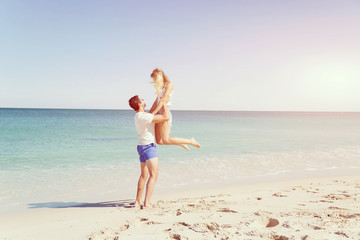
(62, 157)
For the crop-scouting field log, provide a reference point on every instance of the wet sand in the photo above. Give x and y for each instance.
(316, 208)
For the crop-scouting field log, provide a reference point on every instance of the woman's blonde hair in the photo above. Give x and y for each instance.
(160, 82)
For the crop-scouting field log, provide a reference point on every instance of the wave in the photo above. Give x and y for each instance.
(110, 139)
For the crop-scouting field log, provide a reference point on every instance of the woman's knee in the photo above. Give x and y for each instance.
(166, 141)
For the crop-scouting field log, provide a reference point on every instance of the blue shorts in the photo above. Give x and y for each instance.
(147, 152)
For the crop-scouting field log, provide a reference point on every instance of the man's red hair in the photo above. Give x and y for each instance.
(134, 102)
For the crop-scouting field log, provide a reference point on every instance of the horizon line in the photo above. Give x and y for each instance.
(198, 110)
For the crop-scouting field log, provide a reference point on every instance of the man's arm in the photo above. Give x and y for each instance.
(162, 118)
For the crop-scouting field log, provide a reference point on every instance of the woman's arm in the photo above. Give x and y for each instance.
(165, 98)
(153, 106)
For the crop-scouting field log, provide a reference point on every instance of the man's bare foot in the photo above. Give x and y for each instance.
(185, 146)
(194, 143)
(148, 206)
(135, 204)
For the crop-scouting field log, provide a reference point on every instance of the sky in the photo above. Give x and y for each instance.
(258, 55)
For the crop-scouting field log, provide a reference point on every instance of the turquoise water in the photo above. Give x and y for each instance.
(50, 155)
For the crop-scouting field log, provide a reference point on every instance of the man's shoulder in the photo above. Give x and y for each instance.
(140, 114)
(143, 115)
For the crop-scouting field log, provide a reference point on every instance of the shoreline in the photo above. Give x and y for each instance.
(193, 213)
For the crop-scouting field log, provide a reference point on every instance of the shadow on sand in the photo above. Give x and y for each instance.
(120, 203)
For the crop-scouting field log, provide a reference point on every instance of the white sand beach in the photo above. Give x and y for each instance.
(316, 208)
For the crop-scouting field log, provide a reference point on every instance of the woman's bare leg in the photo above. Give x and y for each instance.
(184, 146)
(167, 140)
(159, 138)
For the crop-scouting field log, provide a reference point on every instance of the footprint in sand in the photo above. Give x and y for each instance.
(226, 210)
(286, 225)
(279, 195)
(337, 208)
(205, 227)
(314, 227)
(306, 237)
(260, 212)
(341, 234)
(184, 224)
(124, 227)
(285, 214)
(226, 226)
(175, 236)
(334, 196)
(279, 237)
(311, 191)
(350, 215)
(324, 201)
(152, 223)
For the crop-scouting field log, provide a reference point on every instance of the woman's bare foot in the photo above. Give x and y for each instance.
(185, 146)
(194, 143)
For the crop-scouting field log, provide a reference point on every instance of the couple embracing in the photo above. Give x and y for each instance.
(154, 127)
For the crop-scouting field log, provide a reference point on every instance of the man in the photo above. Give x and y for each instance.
(145, 126)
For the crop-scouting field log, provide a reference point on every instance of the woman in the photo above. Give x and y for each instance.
(164, 89)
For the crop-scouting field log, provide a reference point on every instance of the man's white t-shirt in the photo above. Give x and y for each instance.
(145, 127)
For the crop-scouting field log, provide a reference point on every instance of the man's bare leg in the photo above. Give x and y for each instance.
(153, 168)
(141, 183)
